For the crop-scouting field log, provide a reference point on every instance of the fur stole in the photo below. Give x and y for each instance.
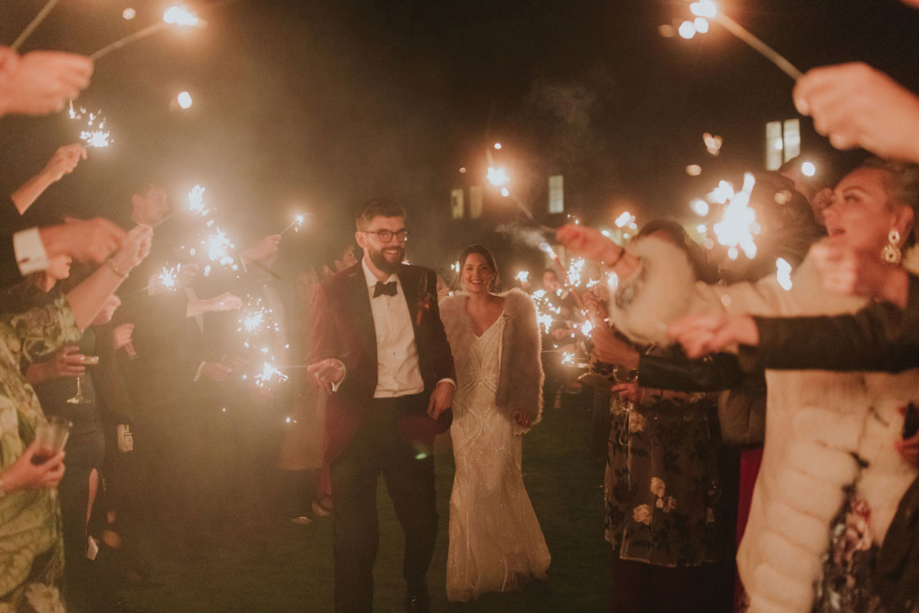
(521, 379)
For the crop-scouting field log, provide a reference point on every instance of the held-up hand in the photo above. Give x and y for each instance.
(122, 336)
(64, 161)
(709, 332)
(215, 371)
(263, 249)
(441, 399)
(522, 418)
(92, 240)
(224, 302)
(849, 272)
(135, 248)
(587, 242)
(629, 391)
(66, 363)
(612, 350)
(858, 106)
(22, 474)
(596, 310)
(41, 82)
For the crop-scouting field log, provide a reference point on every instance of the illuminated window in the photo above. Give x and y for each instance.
(456, 203)
(783, 142)
(556, 194)
(792, 137)
(475, 202)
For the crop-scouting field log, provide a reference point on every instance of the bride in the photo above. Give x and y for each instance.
(495, 539)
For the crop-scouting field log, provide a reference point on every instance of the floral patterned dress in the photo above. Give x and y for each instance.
(662, 481)
(849, 566)
(31, 545)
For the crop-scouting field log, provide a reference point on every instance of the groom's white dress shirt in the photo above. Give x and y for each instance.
(398, 373)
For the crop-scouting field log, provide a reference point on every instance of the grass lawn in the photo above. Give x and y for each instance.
(232, 566)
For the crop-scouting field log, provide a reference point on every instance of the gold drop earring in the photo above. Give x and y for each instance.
(891, 252)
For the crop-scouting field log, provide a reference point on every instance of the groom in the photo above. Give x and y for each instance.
(380, 351)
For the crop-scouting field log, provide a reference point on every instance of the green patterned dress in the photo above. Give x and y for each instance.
(31, 546)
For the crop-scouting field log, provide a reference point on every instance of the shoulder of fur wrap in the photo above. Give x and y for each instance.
(657, 295)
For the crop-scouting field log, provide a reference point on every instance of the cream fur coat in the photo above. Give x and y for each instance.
(817, 423)
(521, 378)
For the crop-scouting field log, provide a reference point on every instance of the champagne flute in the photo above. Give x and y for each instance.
(50, 437)
(80, 397)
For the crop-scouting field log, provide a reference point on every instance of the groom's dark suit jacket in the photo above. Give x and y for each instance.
(341, 327)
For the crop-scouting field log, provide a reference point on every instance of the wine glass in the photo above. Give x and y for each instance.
(80, 397)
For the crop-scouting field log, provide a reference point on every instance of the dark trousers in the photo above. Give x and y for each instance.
(637, 587)
(378, 448)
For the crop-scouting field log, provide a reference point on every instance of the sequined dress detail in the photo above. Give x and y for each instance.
(495, 539)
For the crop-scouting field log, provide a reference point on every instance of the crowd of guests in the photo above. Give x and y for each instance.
(750, 416)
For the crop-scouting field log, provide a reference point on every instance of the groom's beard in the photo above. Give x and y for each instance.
(379, 260)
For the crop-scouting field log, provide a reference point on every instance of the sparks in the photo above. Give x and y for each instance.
(168, 277)
(269, 372)
(523, 276)
(95, 134)
(738, 221)
(218, 247)
(196, 201)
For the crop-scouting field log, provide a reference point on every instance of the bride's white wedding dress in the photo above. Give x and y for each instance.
(495, 538)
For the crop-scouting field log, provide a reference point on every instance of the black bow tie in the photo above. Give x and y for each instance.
(384, 289)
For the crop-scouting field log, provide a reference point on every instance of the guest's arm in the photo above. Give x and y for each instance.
(63, 162)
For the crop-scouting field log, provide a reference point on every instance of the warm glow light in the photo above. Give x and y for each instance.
(497, 145)
(808, 169)
(701, 229)
(666, 30)
(694, 170)
(703, 8)
(523, 276)
(129, 14)
(623, 219)
(463, 170)
(687, 30)
(712, 143)
(180, 15)
(783, 274)
(699, 207)
(184, 99)
(701, 25)
(505, 192)
(498, 176)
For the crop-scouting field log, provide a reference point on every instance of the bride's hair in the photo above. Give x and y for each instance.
(489, 259)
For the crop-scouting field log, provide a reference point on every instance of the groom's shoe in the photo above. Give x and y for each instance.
(417, 599)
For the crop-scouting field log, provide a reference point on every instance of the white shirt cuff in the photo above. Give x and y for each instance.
(448, 380)
(30, 252)
(198, 372)
(335, 386)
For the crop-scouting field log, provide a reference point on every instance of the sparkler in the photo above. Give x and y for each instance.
(298, 221)
(174, 15)
(738, 220)
(523, 276)
(218, 247)
(548, 250)
(168, 277)
(269, 372)
(706, 9)
(95, 135)
(36, 21)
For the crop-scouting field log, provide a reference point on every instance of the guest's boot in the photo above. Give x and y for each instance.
(417, 599)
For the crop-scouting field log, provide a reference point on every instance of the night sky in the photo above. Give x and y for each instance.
(318, 105)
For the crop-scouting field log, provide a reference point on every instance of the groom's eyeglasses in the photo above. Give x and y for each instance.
(386, 235)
